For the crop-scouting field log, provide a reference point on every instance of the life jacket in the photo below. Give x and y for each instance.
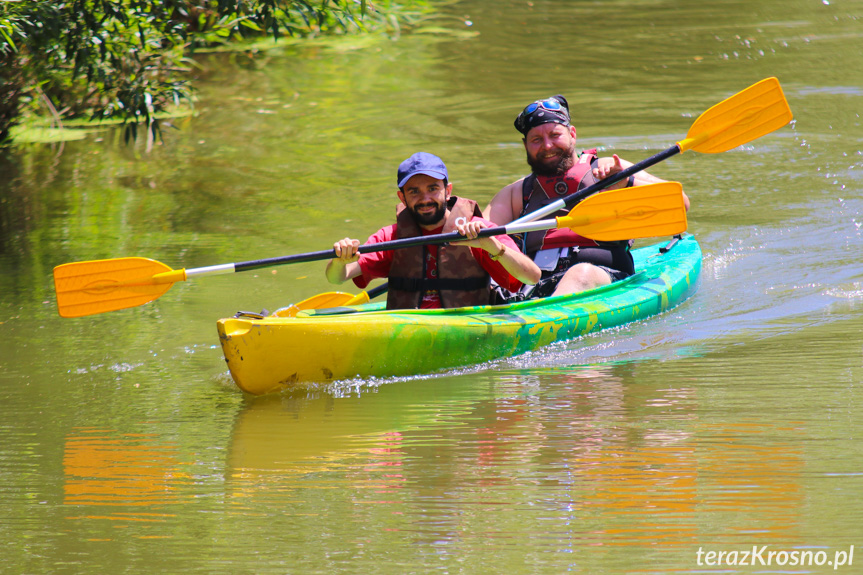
(539, 191)
(461, 280)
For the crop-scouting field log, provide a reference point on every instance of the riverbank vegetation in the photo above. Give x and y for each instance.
(130, 60)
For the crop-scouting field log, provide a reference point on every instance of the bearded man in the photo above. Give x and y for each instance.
(570, 263)
(433, 276)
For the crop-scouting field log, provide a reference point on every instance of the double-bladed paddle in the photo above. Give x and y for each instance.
(87, 288)
(92, 287)
(754, 112)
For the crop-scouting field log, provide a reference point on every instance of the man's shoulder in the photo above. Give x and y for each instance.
(384, 234)
(514, 187)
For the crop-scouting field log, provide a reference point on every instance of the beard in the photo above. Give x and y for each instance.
(554, 163)
(428, 219)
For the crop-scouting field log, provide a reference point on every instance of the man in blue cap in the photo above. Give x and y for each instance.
(570, 263)
(434, 276)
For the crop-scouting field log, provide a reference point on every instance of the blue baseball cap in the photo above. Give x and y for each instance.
(421, 163)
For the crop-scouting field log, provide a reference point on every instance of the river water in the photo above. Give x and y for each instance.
(731, 422)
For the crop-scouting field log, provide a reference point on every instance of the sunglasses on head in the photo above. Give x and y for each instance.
(548, 104)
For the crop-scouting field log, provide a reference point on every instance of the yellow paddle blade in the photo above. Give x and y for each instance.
(629, 213)
(88, 288)
(745, 116)
(358, 299)
(321, 301)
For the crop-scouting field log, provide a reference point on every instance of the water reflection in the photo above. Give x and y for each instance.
(601, 456)
(755, 480)
(278, 439)
(133, 471)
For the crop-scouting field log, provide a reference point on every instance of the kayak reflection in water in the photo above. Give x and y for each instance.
(433, 276)
(570, 263)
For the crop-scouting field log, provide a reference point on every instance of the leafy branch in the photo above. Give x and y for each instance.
(129, 59)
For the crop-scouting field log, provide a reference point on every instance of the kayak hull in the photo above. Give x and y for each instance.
(272, 353)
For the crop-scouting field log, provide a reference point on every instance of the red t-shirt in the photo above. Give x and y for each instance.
(377, 264)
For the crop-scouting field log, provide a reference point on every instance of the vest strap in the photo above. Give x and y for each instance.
(526, 192)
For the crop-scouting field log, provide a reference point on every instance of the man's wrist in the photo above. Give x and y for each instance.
(498, 255)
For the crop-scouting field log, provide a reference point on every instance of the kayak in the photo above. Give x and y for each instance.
(267, 354)
(271, 353)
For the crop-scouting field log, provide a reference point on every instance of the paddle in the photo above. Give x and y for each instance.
(87, 288)
(331, 299)
(754, 112)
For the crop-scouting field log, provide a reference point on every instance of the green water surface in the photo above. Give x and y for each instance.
(730, 422)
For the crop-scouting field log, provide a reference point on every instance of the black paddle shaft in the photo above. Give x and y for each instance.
(367, 248)
(573, 199)
(566, 202)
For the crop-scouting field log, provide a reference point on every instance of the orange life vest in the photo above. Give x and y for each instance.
(461, 280)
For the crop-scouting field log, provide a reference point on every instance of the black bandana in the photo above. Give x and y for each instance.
(554, 109)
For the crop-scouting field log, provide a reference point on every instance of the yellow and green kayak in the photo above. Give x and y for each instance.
(271, 353)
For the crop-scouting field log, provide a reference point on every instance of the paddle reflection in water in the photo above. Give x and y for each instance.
(126, 471)
(751, 471)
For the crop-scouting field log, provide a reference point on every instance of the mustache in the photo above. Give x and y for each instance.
(561, 160)
(555, 153)
(429, 218)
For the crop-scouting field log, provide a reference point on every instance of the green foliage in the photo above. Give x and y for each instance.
(11, 80)
(129, 59)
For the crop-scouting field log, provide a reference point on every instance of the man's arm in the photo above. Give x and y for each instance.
(607, 167)
(506, 254)
(505, 206)
(344, 266)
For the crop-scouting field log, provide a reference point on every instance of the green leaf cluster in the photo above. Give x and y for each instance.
(129, 59)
